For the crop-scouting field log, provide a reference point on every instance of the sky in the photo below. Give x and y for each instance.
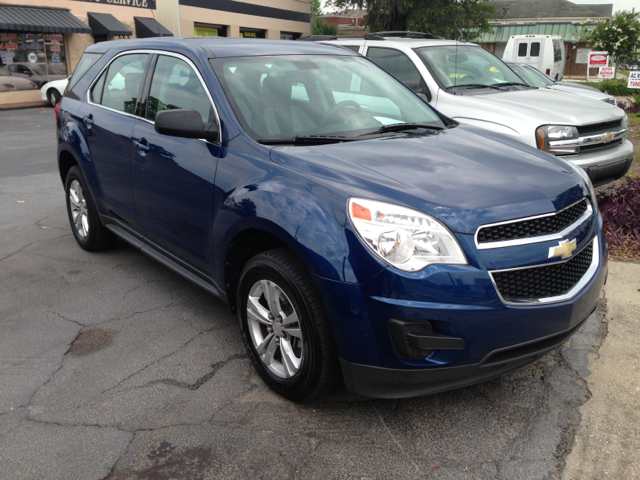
(617, 4)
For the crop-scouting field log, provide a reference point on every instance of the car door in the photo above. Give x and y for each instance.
(107, 119)
(173, 178)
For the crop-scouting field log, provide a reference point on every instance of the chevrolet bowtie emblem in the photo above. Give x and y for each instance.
(564, 249)
(608, 137)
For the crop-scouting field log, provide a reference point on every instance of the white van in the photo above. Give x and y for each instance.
(544, 52)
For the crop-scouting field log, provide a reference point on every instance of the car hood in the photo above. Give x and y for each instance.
(466, 177)
(544, 106)
(580, 90)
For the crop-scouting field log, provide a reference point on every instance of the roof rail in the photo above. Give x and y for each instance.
(320, 38)
(408, 34)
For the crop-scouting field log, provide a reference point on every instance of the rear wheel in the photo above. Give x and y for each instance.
(285, 328)
(54, 97)
(83, 214)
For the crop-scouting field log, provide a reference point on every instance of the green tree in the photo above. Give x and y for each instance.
(316, 8)
(448, 18)
(619, 37)
(320, 27)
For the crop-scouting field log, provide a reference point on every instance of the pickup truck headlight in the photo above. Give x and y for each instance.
(402, 237)
(550, 133)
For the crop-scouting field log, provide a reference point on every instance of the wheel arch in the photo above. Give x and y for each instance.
(66, 161)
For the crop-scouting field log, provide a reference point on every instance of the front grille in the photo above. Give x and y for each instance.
(545, 281)
(600, 146)
(536, 227)
(600, 128)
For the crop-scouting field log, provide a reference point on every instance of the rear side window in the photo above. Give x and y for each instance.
(175, 85)
(557, 51)
(86, 62)
(396, 63)
(119, 86)
(522, 50)
(535, 49)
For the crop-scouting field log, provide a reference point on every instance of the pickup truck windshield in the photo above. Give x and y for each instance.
(457, 66)
(279, 97)
(531, 75)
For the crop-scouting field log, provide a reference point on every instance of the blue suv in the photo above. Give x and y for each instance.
(358, 234)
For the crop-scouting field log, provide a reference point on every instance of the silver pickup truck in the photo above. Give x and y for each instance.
(471, 85)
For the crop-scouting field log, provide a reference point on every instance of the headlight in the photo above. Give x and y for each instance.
(551, 133)
(625, 122)
(407, 239)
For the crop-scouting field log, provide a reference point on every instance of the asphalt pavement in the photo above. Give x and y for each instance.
(112, 366)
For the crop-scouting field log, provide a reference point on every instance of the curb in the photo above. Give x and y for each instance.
(23, 107)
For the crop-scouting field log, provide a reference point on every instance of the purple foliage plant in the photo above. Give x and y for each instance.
(620, 207)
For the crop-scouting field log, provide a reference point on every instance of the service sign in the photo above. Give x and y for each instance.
(125, 3)
(598, 59)
(634, 80)
(606, 72)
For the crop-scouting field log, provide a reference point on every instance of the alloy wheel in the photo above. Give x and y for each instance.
(78, 206)
(274, 326)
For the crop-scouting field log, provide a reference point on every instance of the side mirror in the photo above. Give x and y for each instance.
(185, 123)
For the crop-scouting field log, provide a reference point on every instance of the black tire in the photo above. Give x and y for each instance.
(54, 97)
(319, 371)
(97, 237)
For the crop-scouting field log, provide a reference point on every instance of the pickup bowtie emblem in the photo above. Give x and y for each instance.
(608, 137)
(564, 249)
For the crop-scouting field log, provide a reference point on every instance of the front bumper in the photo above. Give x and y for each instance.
(461, 305)
(607, 165)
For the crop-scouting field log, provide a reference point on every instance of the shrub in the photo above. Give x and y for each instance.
(615, 87)
(630, 108)
(620, 207)
(320, 27)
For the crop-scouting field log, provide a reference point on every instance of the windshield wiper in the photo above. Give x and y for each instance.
(399, 127)
(472, 85)
(307, 140)
(511, 84)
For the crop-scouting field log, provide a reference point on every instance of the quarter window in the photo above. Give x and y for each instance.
(119, 86)
(176, 85)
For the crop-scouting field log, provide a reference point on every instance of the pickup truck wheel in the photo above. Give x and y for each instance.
(83, 214)
(285, 328)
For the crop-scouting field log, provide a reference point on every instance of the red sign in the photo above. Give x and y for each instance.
(598, 59)
(606, 72)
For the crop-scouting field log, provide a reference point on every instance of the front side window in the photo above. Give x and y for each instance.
(176, 85)
(286, 96)
(119, 86)
(396, 63)
(457, 66)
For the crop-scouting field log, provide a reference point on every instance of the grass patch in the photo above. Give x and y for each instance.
(634, 120)
(624, 72)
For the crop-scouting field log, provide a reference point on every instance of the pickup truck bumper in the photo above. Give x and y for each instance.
(606, 165)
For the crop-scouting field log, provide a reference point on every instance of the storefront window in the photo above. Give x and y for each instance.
(204, 30)
(252, 33)
(289, 35)
(32, 59)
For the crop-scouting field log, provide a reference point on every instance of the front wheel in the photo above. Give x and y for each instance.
(285, 328)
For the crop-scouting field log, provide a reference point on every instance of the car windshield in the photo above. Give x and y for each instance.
(457, 66)
(531, 75)
(291, 96)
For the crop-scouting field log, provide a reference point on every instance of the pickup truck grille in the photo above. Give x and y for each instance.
(535, 227)
(542, 282)
(600, 128)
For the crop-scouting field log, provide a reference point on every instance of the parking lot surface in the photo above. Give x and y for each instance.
(112, 366)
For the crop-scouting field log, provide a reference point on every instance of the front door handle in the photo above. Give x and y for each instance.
(142, 147)
(88, 120)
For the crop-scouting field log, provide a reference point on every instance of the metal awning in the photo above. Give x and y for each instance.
(23, 18)
(569, 31)
(147, 27)
(107, 24)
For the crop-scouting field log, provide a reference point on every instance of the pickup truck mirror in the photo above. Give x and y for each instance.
(185, 123)
(420, 89)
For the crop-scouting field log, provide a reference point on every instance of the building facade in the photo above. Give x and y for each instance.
(546, 17)
(40, 43)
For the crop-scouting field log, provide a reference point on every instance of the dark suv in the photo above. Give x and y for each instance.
(357, 233)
